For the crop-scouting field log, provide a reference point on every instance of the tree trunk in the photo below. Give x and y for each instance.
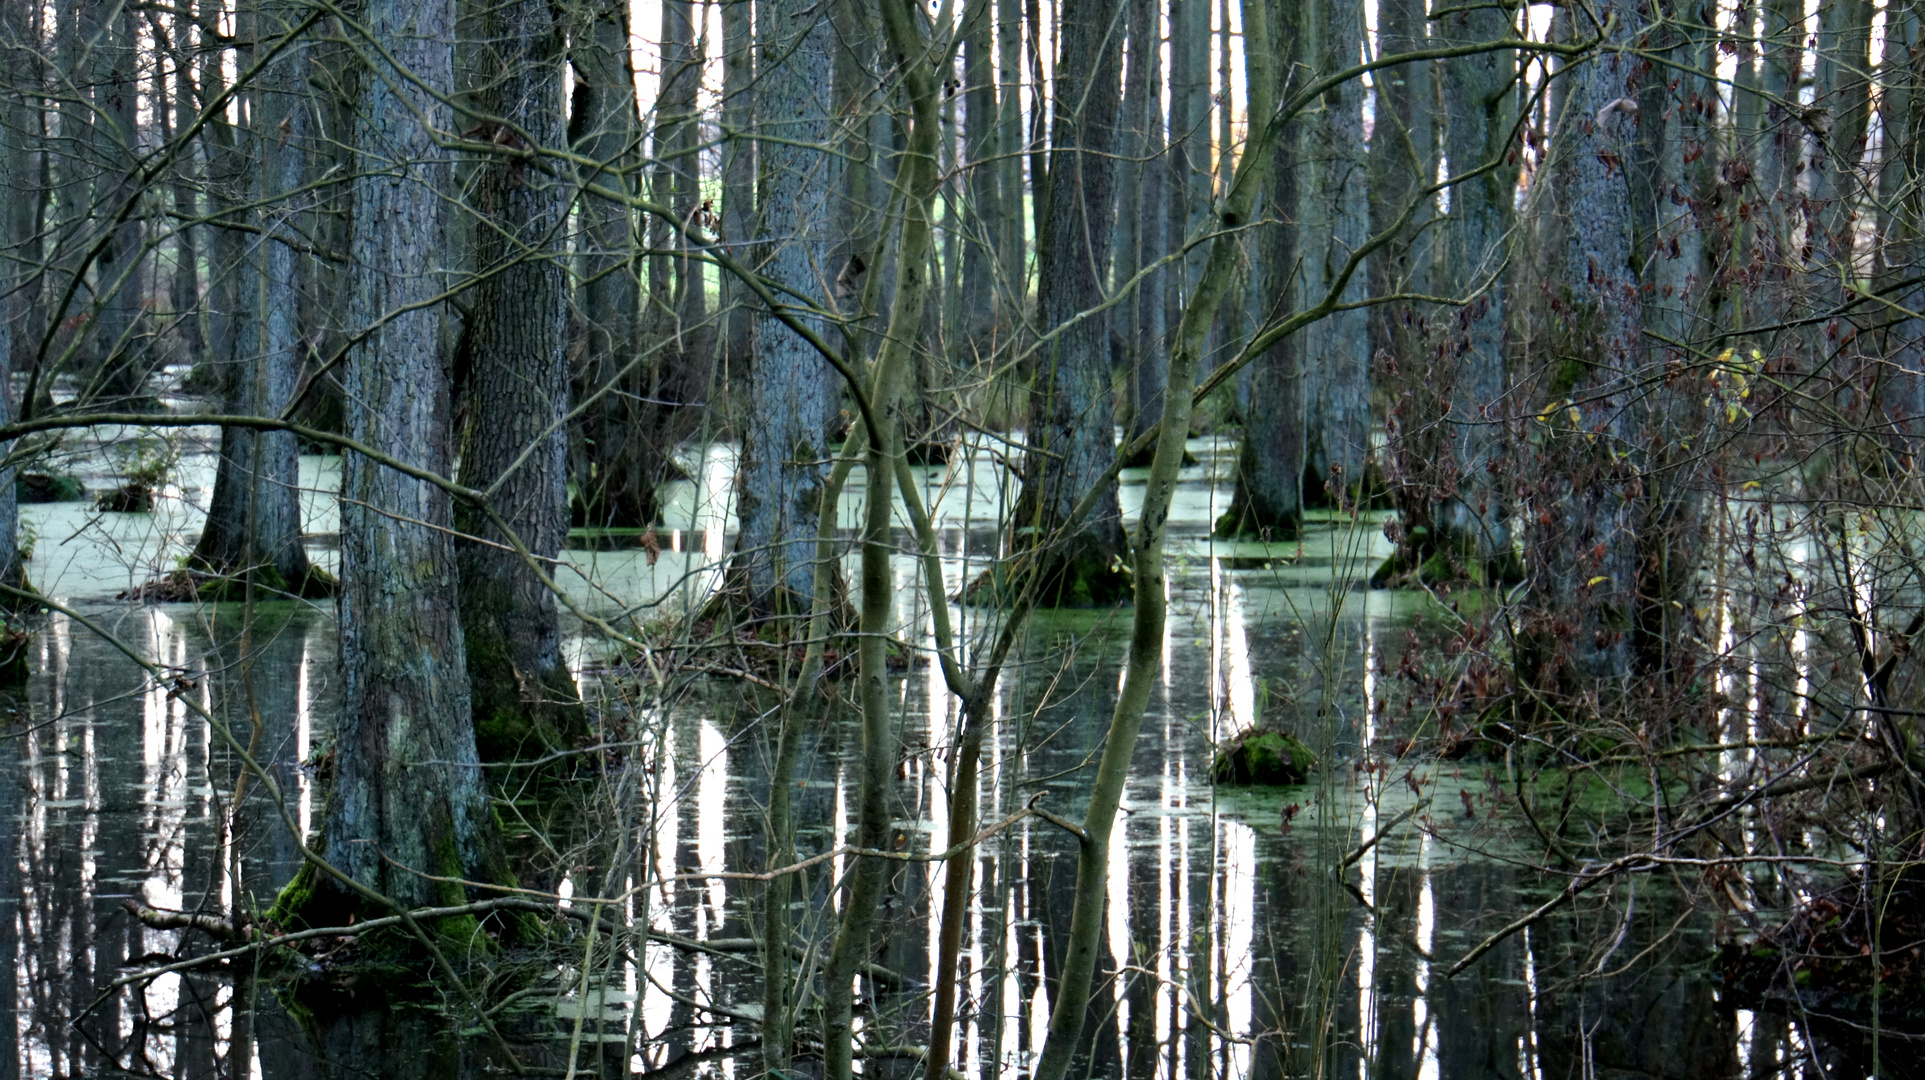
(1072, 413)
(1039, 135)
(918, 174)
(1150, 374)
(517, 398)
(1268, 500)
(792, 390)
(738, 175)
(1478, 105)
(228, 165)
(1142, 221)
(26, 211)
(1902, 185)
(1190, 134)
(186, 283)
(1403, 162)
(677, 141)
(1012, 246)
(1582, 551)
(637, 393)
(862, 188)
(408, 796)
(1672, 197)
(980, 300)
(118, 271)
(335, 72)
(253, 528)
(17, 163)
(1334, 212)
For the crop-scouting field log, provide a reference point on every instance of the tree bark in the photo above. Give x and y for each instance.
(738, 174)
(1582, 551)
(515, 443)
(792, 390)
(1334, 212)
(1479, 115)
(1142, 221)
(980, 300)
(408, 797)
(253, 528)
(1072, 435)
(1268, 500)
(639, 393)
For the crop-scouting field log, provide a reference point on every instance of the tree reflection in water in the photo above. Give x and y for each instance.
(1213, 965)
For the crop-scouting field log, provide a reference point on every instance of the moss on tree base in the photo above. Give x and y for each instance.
(1421, 563)
(198, 585)
(1241, 522)
(1085, 582)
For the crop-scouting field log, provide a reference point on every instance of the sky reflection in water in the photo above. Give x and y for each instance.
(1227, 952)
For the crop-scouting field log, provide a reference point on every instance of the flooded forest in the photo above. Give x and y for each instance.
(962, 539)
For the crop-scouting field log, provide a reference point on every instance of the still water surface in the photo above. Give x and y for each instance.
(1230, 951)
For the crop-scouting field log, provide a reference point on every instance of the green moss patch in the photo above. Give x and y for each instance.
(1268, 758)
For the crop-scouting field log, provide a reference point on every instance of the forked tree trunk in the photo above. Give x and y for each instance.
(515, 442)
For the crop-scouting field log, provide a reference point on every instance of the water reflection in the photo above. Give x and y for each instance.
(1229, 949)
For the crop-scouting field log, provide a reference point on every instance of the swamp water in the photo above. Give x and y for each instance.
(1231, 948)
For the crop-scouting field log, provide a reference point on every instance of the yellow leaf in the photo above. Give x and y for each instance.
(1594, 581)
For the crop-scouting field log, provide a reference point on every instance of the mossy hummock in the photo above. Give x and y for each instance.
(1264, 758)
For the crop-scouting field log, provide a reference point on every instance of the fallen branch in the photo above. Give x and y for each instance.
(1577, 886)
(212, 925)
